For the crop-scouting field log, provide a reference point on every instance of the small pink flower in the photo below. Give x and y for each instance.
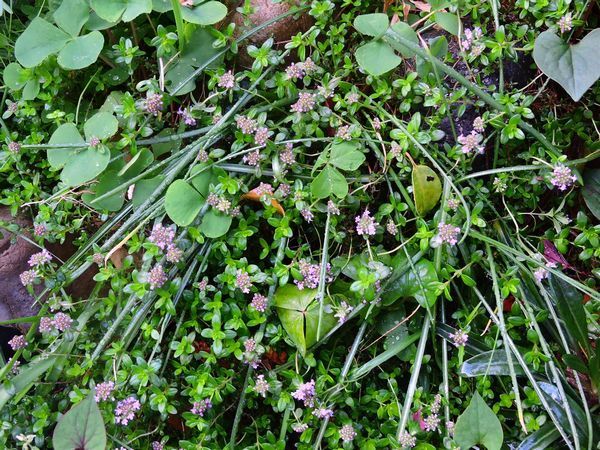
(347, 433)
(17, 342)
(157, 277)
(40, 258)
(243, 281)
(103, 391)
(365, 224)
(126, 409)
(259, 302)
(305, 393)
(28, 277)
(562, 177)
(227, 80)
(306, 102)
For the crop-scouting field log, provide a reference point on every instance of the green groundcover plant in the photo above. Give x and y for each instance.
(379, 231)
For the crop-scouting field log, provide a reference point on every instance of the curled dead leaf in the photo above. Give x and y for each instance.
(255, 197)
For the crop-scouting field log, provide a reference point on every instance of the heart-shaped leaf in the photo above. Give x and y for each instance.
(377, 58)
(215, 224)
(372, 24)
(418, 283)
(447, 21)
(478, 425)
(126, 10)
(575, 67)
(329, 181)
(31, 90)
(67, 133)
(493, 362)
(71, 15)
(85, 165)
(591, 190)
(39, 40)
(183, 203)
(101, 125)
(207, 13)
(299, 314)
(427, 189)
(82, 51)
(346, 156)
(81, 428)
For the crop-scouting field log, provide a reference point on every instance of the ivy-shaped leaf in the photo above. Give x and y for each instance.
(14, 76)
(101, 125)
(575, 67)
(81, 428)
(478, 425)
(405, 282)
(67, 133)
(126, 10)
(427, 189)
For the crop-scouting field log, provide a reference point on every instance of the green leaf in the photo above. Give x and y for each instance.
(569, 302)
(377, 58)
(182, 203)
(165, 147)
(591, 190)
(144, 189)
(575, 67)
(31, 90)
(85, 165)
(28, 374)
(438, 47)
(329, 181)
(447, 21)
(109, 10)
(82, 51)
(493, 362)
(298, 312)
(203, 179)
(478, 425)
(136, 8)
(39, 40)
(372, 24)
(161, 6)
(81, 428)
(71, 15)
(346, 156)
(67, 133)
(107, 182)
(135, 165)
(14, 76)
(427, 189)
(101, 125)
(417, 283)
(205, 14)
(542, 438)
(215, 224)
(407, 32)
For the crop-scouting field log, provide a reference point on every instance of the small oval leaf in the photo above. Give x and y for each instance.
(427, 189)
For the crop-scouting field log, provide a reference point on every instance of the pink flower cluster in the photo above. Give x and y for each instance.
(40, 258)
(311, 274)
(60, 322)
(306, 393)
(126, 409)
(365, 224)
(200, 408)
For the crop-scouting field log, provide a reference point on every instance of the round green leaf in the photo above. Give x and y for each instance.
(372, 24)
(207, 13)
(82, 51)
(71, 15)
(109, 10)
(135, 165)
(31, 90)
(81, 428)
(203, 180)
(478, 425)
(215, 224)
(377, 58)
(14, 76)
(39, 40)
(101, 125)
(85, 165)
(67, 133)
(183, 203)
(427, 189)
(136, 8)
(575, 67)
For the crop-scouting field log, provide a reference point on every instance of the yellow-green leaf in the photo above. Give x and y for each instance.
(427, 189)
